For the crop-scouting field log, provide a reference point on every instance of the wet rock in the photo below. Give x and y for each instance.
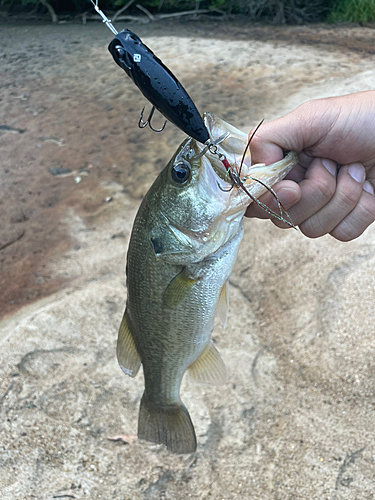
(8, 240)
(118, 235)
(11, 130)
(17, 216)
(50, 202)
(59, 171)
(54, 140)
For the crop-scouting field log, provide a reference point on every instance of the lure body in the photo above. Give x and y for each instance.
(158, 84)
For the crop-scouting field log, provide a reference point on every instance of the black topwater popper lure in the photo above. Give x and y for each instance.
(166, 94)
(156, 82)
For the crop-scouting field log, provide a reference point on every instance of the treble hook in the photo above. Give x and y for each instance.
(229, 189)
(142, 124)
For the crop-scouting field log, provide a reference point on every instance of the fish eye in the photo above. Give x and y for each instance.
(181, 172)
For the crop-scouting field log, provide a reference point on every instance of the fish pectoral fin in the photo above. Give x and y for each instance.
(178, 288)
(127, 354)
(222, 307)
(209, 368)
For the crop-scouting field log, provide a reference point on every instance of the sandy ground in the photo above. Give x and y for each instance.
(296, 418)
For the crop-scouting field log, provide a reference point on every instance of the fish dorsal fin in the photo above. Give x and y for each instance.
(177, 289)
(222, 307)
(127, 354)
(209, 368)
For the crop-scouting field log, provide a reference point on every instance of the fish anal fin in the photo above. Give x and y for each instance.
(127, 354)
(209, 368)
(222, 307)
(178, 288)
(169, 425)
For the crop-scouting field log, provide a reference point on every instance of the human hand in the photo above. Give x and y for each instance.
(331, 190)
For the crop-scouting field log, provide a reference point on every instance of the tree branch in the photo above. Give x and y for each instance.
(145, 11)
(120, 11)
(51, 10)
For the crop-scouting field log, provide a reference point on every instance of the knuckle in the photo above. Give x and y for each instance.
(368, 209)
(326, 188)
(256, 140)
(349, 198)
(356, 222)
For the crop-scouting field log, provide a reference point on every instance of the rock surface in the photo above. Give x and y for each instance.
(296, 418)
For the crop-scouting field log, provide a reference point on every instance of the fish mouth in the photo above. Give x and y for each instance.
(258, 178)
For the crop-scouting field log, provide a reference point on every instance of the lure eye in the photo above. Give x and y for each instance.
(181, 172)
(120, 51)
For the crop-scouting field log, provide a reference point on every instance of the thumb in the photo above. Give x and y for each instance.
(273, 138)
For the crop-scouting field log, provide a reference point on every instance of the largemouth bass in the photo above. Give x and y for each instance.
(182, 250)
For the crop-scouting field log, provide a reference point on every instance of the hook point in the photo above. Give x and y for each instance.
(143, 124)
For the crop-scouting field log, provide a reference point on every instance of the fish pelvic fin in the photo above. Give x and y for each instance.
(209, 368)
(169, 425)
(127, 354)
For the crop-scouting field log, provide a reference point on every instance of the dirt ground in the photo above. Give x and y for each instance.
(296, 418)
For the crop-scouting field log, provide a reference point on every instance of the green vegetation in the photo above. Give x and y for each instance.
(355, 11)
(276, 11)
(284, 11)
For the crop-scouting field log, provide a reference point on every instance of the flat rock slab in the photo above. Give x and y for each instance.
(295, 419)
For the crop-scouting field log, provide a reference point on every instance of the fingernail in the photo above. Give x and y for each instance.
(367, 186)
(330, 165)
(357, 172)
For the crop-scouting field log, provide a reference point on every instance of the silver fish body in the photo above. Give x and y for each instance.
(182, 250)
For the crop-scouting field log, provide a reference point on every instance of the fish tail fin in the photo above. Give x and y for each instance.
(169, 425)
